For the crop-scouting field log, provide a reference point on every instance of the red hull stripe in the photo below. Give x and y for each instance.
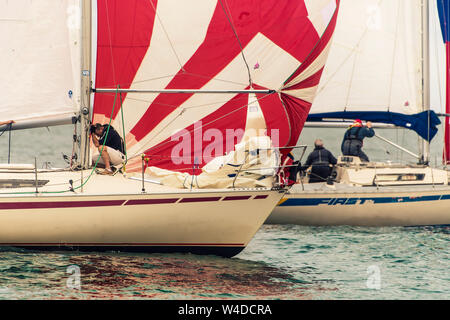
(150, 201)
(62, 204)
(109, 203)
(119, 244)
(237, 198)
(261, 197)
(200, 199)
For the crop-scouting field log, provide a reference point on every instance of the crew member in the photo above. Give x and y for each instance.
(353, 139)
(321, 161)
(113, 150)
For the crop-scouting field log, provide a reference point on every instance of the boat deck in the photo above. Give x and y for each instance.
(57, 183)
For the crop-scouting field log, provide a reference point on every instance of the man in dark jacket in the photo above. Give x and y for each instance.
(321, 161)
(353, 139)
(112, 153)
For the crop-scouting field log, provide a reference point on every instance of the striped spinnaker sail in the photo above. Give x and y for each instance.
(279, 45)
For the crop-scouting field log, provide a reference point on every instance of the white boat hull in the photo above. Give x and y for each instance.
(321, 205)
(218, 222)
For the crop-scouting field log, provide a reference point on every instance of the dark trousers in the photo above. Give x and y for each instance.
(353, 148)
(319, 173)
(294, 170)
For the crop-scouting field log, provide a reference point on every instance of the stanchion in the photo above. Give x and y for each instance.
(35, 175)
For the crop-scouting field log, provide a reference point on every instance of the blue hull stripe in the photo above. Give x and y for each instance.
(308, 202)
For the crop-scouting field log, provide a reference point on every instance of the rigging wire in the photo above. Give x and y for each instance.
(149, 80)
(352, 53)
(438, 67)
(439, 81)
(175, 106)
(93, 168)
(445, 15)
(8, 128)
(137, 153)
(238, 40)
(188, 74)
(110, 44)
(426, 84)
(403, 143)
(397, 142)
(227, 14)
(123, 128)
(167, 36)
(215, 79)
(393, 54)
(9, 142)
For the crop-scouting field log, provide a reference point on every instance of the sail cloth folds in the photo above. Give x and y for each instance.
(375, 66)
(40, 59)
(424, 123)
(223, 45)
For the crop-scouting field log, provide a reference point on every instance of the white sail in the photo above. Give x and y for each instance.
(39, 59)
(375, 59)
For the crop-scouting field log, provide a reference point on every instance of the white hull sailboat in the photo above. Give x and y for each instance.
(378, 70)
(369, 194)
(175, 80)
(113, 214)
(353, 206)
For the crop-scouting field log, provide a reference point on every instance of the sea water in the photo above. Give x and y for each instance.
(281, 262)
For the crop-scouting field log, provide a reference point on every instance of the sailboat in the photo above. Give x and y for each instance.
(204, 95)
(378, 70)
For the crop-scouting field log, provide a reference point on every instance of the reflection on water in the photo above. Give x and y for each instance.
(183, 276)
(31, 275)
(281, 262)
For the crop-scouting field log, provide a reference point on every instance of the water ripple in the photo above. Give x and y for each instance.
(281, 262)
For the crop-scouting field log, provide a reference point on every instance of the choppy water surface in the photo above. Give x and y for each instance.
(281, 262)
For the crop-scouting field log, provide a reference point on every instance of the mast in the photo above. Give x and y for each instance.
(424, 146)
(84, 161)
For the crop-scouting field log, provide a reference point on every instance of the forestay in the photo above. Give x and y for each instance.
(39, 59)
(374, 71)
(207, 45)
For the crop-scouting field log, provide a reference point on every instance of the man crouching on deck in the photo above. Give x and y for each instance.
(113, 150)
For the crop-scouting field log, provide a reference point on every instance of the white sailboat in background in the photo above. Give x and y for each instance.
(168, 75)
(378, 70)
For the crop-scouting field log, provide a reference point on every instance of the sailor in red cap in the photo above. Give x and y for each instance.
(353, 139)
